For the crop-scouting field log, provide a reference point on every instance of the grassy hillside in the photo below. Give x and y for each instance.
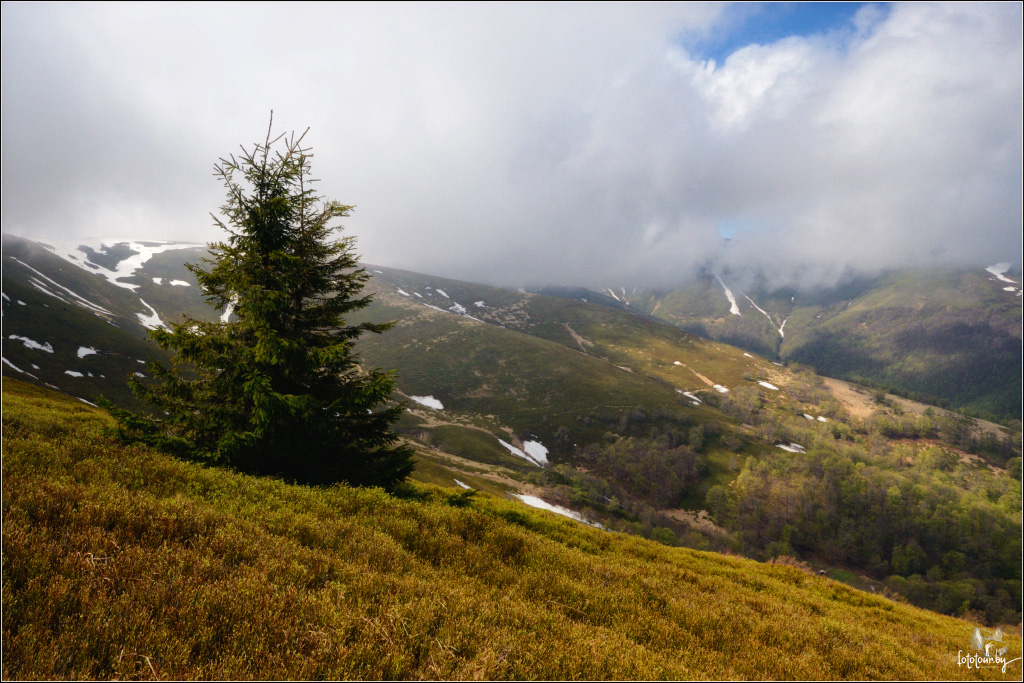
(602, 391)
(123, 563)
(946, 336)
(84, 345)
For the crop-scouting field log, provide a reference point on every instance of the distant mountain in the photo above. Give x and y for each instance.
(946, 336)
(590, 405)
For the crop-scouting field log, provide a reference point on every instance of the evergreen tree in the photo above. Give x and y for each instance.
(276, 388)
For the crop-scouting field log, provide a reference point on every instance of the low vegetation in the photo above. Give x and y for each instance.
(120, 562)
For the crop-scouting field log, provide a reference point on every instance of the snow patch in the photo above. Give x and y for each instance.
(748, 355)
(402, 292)
(158, 281)
(518, 453)
(38, 285)
(428, 401)
(677, 363)
(462, 485)
(442, 293)
(720, 389)
(4, 295)
(998, 269)
(180, 283)
(458, 308)
(536, 451)
(765, 313)
(535, 502)
(417, 295)
(73, 373)
(125, 268)
(792, 448)
(822, 418)
(89, 402)
(228, 310)
(768, 385)
(690, 396)
(32, 344)
(480, 304)
(82, 301)
(733, 308)
(151, 321)
(84, 351)
(17, 369)
(808, 417)
(139, 374)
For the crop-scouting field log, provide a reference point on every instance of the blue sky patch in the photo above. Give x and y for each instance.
(744, 24)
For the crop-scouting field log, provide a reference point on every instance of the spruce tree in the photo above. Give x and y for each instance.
(275, 388)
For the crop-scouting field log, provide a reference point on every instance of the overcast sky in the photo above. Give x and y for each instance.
(607, 144)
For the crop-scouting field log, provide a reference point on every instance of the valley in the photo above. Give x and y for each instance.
(946, 336)
(608, 413)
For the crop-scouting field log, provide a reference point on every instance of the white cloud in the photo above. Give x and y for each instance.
(532, 143)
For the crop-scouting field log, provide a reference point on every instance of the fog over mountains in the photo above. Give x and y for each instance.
(534, 145)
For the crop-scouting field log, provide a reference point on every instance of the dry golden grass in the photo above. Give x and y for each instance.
(124, 563)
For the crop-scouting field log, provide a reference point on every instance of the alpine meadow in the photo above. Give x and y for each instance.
(680, 341)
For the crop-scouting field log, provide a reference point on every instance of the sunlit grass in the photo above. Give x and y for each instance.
(123, 563)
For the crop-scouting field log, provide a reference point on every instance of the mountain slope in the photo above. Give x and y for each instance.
(125, 563)
(641, 427)
(948, 336)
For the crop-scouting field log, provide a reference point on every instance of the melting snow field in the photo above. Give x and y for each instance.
(151, 321)
(16, 368)
(428, 401)
(226, 315)
(41, 286)
(998, 269)
(32, 344)
(535, 502)
(536, 451)
(733, 308)
(84, 351)
(767, 385)
(125, 268)
(534, 455)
